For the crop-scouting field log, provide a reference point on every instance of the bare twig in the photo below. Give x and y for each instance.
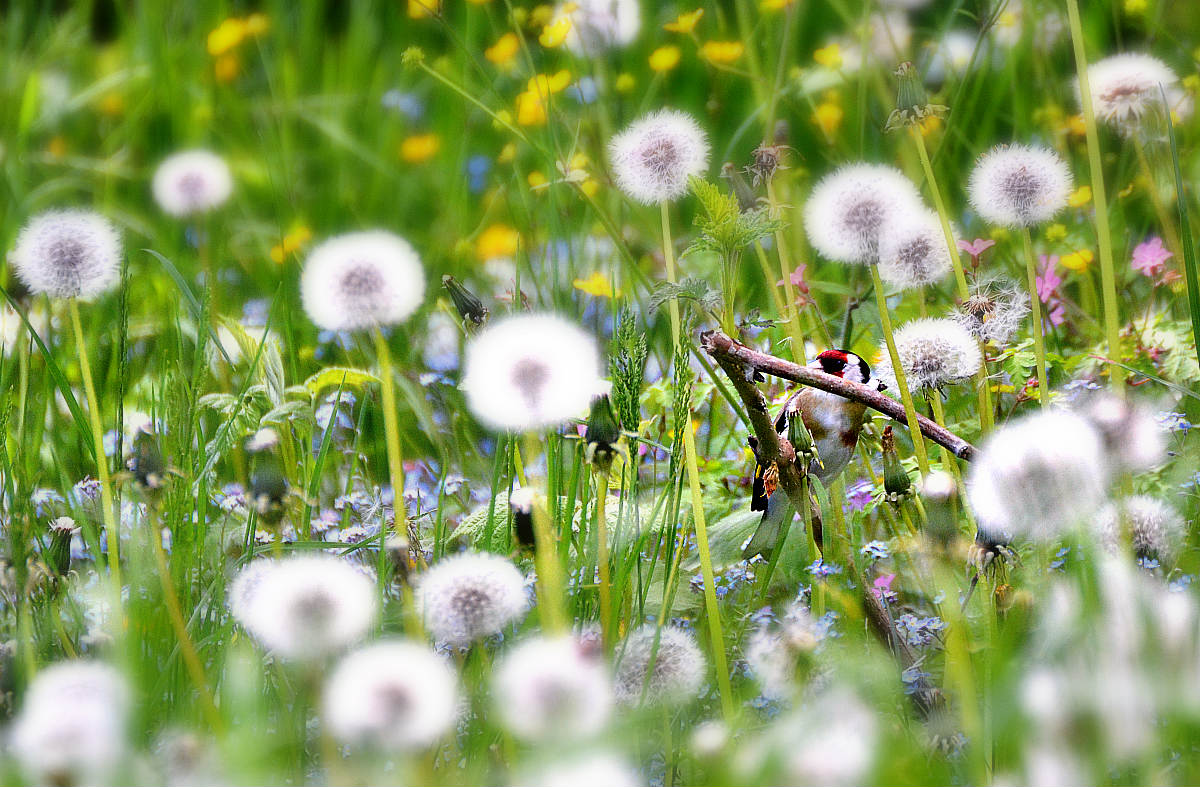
(739, 357)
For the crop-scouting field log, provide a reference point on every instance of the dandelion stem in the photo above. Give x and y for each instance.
(106, 498)
(391, 430)
(1035, 306)
(1164, 218)
(602, 558)
(551, 588)
(1100, 198)
(693, 473)
(793, 315)
(910, 411)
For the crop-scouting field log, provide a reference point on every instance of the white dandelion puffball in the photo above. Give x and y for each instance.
(831, 741)
(598, 25)
(1131, 435)
(653, 158)
(1019, 185)
(470, 596)
(1038, 476)
(362, 280)
(1126, 87)
(194, 181)
(1156, 529)
(594, 769)
(913, 250)
(933, 352)
(849, 209)
(71, 728)
(553, 688)
(68, 254)
(391, 695)
(531, 372)
(994, 310)
(775, 650)
(677, 673)
(304, 608)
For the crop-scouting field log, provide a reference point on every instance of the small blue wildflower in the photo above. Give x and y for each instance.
(912, 678)
(763, 616)
(406, 104)
(478, 167)
(1181, 583)
(876, 550)
(819, 568)
(1060, 559)
(919, 632)
(1148, 563)
(44, 499)
(583, 91)
(110, 442)
(1173, 422)
(254, 312)
(858, 495)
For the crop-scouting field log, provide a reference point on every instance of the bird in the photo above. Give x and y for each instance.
(834, 423)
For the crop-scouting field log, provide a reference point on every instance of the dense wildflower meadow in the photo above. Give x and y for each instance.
(610, 392)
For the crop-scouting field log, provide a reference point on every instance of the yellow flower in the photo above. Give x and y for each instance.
(422, 9)
(930, 124)
(590, 187)
(504, 50)
(686, 23)
(1077, 260)
(257, 24)
(722, 52)
(420, 148)
(531, 109)
(1056, 232)
(829, 56)
(1191, 82)
(547, 84)
(1135, 7)
(625, 82)
(536, 180)
(507, 153)
(111, 104)
(998, 233)
(776, 5)
(226, 68)
(57, 147)
(498, 240)
(665, 58)
(597, 284)
(1080, 197)
(541, 16)
(291, 243)
(226, 36)
(1076, 126)
(828, 117)
(556, 32)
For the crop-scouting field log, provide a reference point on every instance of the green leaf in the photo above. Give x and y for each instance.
(334, 376)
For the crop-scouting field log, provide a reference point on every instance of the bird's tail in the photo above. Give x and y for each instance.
(779, 510)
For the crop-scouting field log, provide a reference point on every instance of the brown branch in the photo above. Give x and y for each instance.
(727, 351)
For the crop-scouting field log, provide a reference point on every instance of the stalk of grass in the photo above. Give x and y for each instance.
(910, 411)
(391, 429)
(1188, 244)
(1108, 279)
(693, 474)
(551, 586)
(1035, 308)
(792, 314)
(602, 558)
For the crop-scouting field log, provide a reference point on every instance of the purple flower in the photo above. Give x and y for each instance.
(976, 247)
(1150, 257)
(858, 495)
(797, 277)
(819, 568)
(1048, 280)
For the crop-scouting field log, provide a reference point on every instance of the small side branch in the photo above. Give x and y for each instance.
(730, 354)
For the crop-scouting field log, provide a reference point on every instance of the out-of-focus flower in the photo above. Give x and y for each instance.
(653, 158)
(1150, 257)
(934, 353)
(598, 285)
(1047, 279)
(470, 596)
(913, 252)
(503, 52)
(68, 254)
(1125, 88)
(292, 242)
(498, 240)
(1080, 197)
(677, 672)
(831, 741)
(829, 56)
(593, 769)
(779, 650)
(1019, 185)
(828, 116)
(1156, 530)
(625, 82)
(685, 23)
(190, 182)
(722, 52)
(423, 9)
(1077, 260)
(848, 210)
(976, 248)
(419, 148)
(1130, 431)
(532, 103)
(304, 608)
(1056, 232)
(393, 696)
(362, 280)
(1039, 475)
(665, 58)
(71, 727)
(553, 689)
(599, 25)
(555, 32)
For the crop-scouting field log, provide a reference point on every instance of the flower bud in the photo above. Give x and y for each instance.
(469, 307)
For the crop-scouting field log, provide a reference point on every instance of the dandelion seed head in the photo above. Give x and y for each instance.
(68, 254)
(1130, 432)
(913, 251)
(849, 209)
(393, 696)
(531, 372)
(71, 727)
(553, 688)
(304, 608)
(831, 740)
(994, 310)
(362, 280)
(1019, 185)
(598, 25)
(653, 158)
(470, 596)
(678, 670)
(191, 182)
(933, 352)
(1126, 87)
(1157, 529)
(1038, 476)
(774, 650)
(709, 739)
(594, 769)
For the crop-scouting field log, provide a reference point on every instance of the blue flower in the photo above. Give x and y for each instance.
(1173, 422)
(858, 495)
(912, 678)
(819, 568)
(919, 632)
(478, 167)
(584, 91)
(876, 550)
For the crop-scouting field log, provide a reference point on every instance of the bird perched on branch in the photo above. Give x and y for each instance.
(824, 436)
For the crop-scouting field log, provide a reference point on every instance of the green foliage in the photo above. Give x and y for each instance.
(722, 225)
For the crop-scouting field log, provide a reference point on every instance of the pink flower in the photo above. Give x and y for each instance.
(1150, 257)
(976, 247)
(883, 586)
(1048, 280)
(1057, 313)
(797, 278)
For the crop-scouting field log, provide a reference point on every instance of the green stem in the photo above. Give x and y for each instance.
(106, 498)
(793, 315)
(551, 587)
(391, 430)
(1035, 306)
(693, 473)
(1108, 277)
(910, 411)
(602, 559)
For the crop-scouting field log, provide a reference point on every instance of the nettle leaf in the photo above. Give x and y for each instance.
(724, 228)
(697, 291)
(334, 376)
